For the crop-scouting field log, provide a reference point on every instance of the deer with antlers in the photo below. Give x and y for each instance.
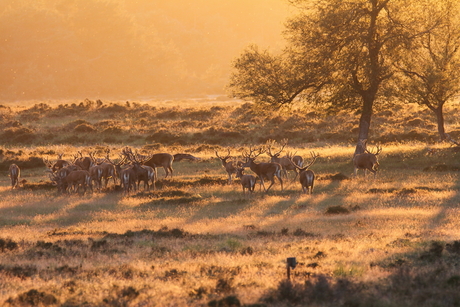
(72, 181)
(285, 161)
(268, 170)
(142, 172)
(247, 181)
(54, 166)
(83, 162)
(230, 166)
(306, 176)
(367, 160)
(14, 173)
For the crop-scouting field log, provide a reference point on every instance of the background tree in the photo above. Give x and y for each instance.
(432, 63)
(345, 50)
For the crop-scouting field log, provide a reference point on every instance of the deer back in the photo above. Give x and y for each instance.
(160, 159)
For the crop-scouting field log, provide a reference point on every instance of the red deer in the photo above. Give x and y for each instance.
(306, 176)
(181, 156)
(143, 173)
(128, 179)
(264, 171)
(108, 168)
(230, 167)
(14, 173)
(73, 181)
(60, 163)
(367, 160)
(285, 162)
(117, 165)
(96, 172)
(162, 160)
(84, 162)
(247, 181)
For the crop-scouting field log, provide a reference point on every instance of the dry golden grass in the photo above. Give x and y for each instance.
(187, 244)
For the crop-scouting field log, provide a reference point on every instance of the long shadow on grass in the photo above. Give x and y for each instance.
(298, 203)
(54, 208)
(445, 213)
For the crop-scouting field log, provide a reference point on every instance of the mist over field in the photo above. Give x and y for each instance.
(121, 49)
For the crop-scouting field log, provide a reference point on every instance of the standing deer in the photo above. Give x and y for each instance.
(108, 168)
(247, 181)
(264, 171)
(14, 173)
(285, 161)
(142, 172)
(164, 160)
(73, 180)
(96, 172)
(306, 176)
(60, 163)
(230, 167)
(367, 160)
(84, 162)
(128, 179)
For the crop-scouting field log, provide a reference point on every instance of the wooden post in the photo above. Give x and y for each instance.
(290, 263)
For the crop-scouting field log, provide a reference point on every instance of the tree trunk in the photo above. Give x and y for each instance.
(364, 122)
(440, 121)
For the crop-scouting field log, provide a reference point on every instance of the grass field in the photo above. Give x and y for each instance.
(198, 241)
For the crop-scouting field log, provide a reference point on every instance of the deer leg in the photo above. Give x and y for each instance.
(262, 184)
(271, 184)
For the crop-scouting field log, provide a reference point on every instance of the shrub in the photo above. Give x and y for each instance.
(113, 130)
(18, 135)
(72, 125)
(337, 210)
(85, 128)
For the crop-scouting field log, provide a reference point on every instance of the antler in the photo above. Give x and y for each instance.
(314, 156)
(225, 158)
(142, 159)
(121, 162)
(47, 162)
(377, 150)
(252, 150)
(271, 143)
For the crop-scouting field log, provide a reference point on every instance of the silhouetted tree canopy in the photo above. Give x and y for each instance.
(340, 54)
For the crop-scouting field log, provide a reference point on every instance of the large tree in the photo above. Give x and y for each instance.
(340, 53)
(432, 63)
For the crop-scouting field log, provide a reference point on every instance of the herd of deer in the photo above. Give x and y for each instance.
(278, 166)
(132, 168)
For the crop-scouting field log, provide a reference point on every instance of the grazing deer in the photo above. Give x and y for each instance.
(142, 172)
(267, 171)
(230, 167)
(73, 181)
(14, 173)
(162, 160)
(285, 161)
(367, 160)
(247, 181)
(306, 176)
(182, 156)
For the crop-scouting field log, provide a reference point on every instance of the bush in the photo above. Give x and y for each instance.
(18, 135)
(85, 128)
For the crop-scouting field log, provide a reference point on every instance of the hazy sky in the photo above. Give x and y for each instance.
(127, 49)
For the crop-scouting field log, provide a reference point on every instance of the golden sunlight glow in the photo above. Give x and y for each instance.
(68, 49)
